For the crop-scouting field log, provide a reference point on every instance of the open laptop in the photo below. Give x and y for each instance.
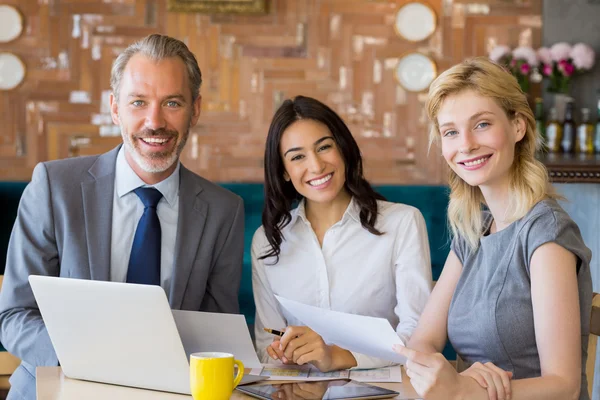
(125, 334)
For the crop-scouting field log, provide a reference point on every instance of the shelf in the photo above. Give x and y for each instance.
(572, 168)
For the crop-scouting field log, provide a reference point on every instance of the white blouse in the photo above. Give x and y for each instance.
(355, 271)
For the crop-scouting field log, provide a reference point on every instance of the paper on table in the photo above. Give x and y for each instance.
(385, 374)
(366, 335)
(281, 372)
(228, 333)
(306, 372)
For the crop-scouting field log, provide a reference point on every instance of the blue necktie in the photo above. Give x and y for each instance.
(144, 262)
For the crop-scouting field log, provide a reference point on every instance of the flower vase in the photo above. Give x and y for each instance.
(560, 104)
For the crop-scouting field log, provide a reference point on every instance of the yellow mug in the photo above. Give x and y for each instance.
(211, 375)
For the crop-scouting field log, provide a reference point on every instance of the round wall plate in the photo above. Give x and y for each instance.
(415, 21)
(415, 72)
(12, 71)
(11, 23)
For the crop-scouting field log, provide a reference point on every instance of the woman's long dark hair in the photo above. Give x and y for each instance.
(280, 194)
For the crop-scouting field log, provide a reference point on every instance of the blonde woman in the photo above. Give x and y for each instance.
(514, 297)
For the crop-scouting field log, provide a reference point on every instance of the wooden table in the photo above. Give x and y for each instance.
(53, 385)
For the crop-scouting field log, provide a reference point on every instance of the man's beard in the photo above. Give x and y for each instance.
(154, 162)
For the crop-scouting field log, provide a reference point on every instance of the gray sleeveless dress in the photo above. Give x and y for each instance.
(491, 314)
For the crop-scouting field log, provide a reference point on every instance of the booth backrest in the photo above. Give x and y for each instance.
(432, 201)
(10, 194)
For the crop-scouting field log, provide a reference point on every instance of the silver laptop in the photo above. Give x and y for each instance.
(122, 334)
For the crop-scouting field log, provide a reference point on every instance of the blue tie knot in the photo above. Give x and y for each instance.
(149, 196)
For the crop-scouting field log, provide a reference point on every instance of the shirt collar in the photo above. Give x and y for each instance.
(126, 180)
(353, 211)
(298, 213)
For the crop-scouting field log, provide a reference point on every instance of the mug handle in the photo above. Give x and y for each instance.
(240, 372)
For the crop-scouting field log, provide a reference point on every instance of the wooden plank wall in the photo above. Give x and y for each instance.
(340, 51)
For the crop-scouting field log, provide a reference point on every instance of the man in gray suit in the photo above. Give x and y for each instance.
(88, 218)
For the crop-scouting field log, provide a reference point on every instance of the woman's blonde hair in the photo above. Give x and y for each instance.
(528, 177)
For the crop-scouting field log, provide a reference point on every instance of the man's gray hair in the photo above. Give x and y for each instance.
(157, 47)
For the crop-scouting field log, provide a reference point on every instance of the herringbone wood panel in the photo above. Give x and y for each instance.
(342, 52)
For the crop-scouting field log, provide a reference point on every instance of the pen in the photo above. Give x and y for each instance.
(274, 332)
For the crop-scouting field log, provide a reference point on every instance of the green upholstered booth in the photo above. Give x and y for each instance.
(10, 194)
(432, 201)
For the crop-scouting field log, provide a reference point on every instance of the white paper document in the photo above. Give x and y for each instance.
(227, 333)
(366, 335)
(307, 372)
(386, 374)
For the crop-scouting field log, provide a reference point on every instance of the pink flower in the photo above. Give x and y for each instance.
(569, 69)
(525, 68)
(526, 53)
(560, 51)
(583, 56)
(513, 62)
(499, 52)
(566, 68)
(544, 55)
(547, 70)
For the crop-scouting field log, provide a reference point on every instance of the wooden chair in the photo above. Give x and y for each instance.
(8, 362)
(593, 341)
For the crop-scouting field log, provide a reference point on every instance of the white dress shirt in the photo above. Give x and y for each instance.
(355, 271)
(127, 211)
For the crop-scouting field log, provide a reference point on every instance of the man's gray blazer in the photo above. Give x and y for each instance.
(63, 228)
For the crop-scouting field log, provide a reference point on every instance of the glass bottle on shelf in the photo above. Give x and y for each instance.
(568, 140)
(540, 126)
(597, 134)
(584, 141)
(553, 132)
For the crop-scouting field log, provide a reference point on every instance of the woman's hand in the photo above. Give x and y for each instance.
(301, 345)
(276, 354)
(495, 380)
(431, 375)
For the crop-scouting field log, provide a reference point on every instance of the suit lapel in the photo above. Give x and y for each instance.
(97, 196)
(190, 225)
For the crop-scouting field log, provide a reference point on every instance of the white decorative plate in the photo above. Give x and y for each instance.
(11, 23)
(12, 71)
(415, 72)
(415, 21)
